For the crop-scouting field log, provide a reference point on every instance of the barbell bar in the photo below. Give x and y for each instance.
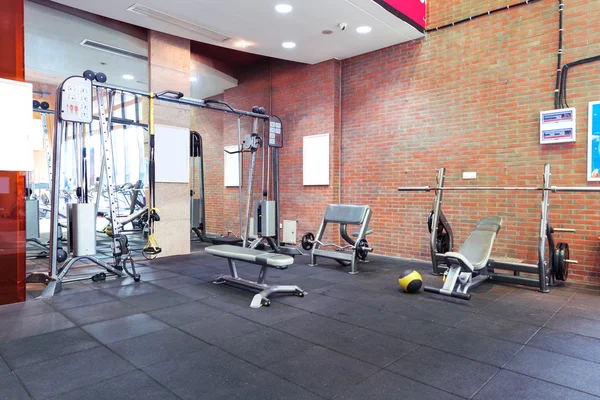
(521, 188)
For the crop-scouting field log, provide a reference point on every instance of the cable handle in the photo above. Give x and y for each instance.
(171, 94)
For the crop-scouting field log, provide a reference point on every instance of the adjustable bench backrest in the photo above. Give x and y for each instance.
(346, 214)
(478, 247)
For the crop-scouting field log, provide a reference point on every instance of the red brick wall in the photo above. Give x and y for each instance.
(468, 98)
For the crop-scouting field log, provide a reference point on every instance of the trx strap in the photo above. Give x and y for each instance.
(151, 249)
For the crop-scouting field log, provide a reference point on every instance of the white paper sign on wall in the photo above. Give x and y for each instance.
(172, 155)
(315, 161)
(231, 167)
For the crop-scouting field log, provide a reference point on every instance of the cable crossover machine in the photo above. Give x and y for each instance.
(471, 265)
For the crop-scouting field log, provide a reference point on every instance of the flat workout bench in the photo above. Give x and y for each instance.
(262, 258)
(467, 268)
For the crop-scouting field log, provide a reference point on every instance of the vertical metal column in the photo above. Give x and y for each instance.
(436, 217)
(276, 193)
(47, 147)
(240, 159)
(542, 269)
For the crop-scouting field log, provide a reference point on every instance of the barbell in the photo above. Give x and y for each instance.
(550, 189)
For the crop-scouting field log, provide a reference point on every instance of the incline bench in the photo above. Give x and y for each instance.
(345, 214)
(467, 268)
(265, 260)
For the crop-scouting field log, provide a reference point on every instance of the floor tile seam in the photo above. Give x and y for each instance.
(261, 368)
(485, 383)
(138, 311)
(100, 302)
(18, 378)
(354, 326)
(425, 383)
(467, 357)
(32, 336)
(547, 381)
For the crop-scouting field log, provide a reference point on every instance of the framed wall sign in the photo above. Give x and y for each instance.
(593, 156)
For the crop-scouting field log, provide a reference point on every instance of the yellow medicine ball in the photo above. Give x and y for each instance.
(410, 281)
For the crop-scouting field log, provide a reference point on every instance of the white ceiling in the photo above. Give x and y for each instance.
(53, 52)
(256, 21)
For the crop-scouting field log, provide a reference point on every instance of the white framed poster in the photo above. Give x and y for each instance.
(232, 166)
(593, 156)
(315, 160)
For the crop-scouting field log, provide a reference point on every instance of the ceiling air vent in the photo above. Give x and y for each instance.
(150, 12)
(112, 49)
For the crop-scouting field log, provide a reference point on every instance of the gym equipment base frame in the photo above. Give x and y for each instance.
(266, 260)
(465, 274)
(344, 215)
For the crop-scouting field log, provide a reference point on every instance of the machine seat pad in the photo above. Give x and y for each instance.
(275, 260)
(367, 232)
(478, 246)
(453, 258)
(346, 214)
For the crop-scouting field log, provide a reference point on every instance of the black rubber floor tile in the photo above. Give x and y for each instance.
(445, 371)
(35, 349)
(475, 304)
(123, 328)
(99, 312)
(11, 388)
(156, 300)
(518, 313)
(132, 289)
(153, 276)
(311, 302)
(74, 371)
(185, 313)
(323, 371)
(177, 282)
(566, 343)
(314, 328)
(74, 288)
(372, 347)
(355, 314)
(155, 347)
(265, 347)
(25, 309)
(61, 302)
(499, 328)
(475, 346)
(411, 329)
(134, 385)
(507, 385)
(341, 291)
(230, 299)
(274, 314)
(13, 328)
(580, 309)
(559, 369)
(309, 284)
(573, 324)
(217, 329)
(4, 368)
(334, 276)
(386, 385)
(201, 291)
(581, 297)
(207, 374)
(533, 299)
(446, 314)
(268, 386)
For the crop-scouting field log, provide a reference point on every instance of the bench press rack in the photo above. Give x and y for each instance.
(547, 271)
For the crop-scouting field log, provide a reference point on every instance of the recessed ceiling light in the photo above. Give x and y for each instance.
(193, 79)
(363, 29)
(128, 77)
(288, 45)
(242, 44)
(283, 8)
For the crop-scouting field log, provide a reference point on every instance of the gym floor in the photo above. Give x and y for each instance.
(178, 336)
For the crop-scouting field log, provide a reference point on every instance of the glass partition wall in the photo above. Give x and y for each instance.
(59, 44)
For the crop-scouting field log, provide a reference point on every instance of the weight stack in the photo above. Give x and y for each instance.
(81, 222)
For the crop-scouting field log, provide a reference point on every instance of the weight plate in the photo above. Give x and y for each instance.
(561, 267)
(307, 241)
(362, 254)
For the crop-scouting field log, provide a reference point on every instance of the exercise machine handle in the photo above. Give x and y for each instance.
(171, 94)
(213, 101)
